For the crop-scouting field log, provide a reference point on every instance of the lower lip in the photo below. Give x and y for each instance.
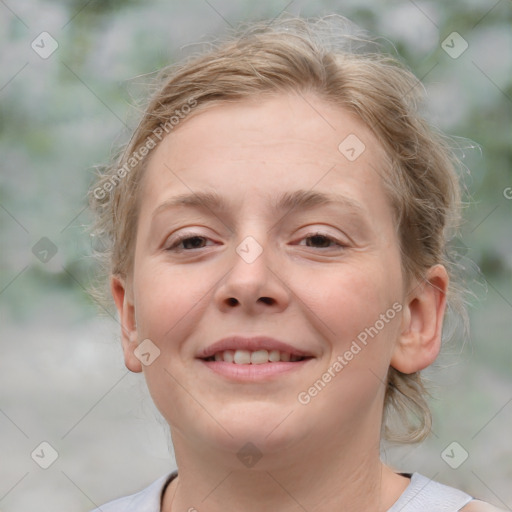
(253, 372)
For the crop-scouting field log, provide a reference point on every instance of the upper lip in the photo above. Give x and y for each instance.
(251, 344)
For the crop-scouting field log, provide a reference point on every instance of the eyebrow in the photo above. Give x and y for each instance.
(287, 202)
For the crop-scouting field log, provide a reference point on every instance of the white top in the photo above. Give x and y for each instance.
(421, 495)
(425, 495)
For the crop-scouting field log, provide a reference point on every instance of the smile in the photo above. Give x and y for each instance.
(254, 357)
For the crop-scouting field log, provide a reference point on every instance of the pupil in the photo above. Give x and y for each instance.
(319, 240)
(193, 242)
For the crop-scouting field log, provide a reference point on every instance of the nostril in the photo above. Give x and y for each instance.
(232, 301)
(267, 300)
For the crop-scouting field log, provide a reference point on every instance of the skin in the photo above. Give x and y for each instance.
(480, 506)
(321, 456)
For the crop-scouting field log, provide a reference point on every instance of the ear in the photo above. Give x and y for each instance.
(419, 342)
(123, 298)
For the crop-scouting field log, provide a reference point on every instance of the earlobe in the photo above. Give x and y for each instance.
(419, 342)
(129, 338)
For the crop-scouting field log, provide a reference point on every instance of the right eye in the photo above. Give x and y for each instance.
(187, 242)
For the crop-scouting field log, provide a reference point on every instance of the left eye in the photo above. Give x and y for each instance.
(320, 241)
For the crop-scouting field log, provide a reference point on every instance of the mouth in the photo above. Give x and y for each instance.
(255, 357)
(251, 359)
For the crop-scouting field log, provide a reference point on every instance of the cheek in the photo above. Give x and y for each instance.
(350, 300)
(169, 304)
(360, 316)
(165, 298)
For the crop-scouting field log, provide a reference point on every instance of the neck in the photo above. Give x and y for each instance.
(342, 476)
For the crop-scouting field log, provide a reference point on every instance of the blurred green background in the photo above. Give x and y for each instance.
(62, 378)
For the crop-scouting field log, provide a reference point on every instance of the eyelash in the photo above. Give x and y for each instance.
(190, 236)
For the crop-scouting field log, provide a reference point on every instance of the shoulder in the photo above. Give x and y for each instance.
(480, 506)
(147, 500)
(424, 494)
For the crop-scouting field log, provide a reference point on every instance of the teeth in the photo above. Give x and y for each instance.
(274, 356)
(229, 356)
(256, 357)
(259, 357)
(242, 357)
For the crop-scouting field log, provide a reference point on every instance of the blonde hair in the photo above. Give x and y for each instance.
(330, 58)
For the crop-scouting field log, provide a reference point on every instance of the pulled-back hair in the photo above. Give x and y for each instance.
(331, 59)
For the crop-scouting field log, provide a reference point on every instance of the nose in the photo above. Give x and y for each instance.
(254, 284)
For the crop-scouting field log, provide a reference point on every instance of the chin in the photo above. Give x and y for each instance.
(267, 426)
(270, 427)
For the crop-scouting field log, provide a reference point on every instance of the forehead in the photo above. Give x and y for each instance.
(271, 121)
(262, 147)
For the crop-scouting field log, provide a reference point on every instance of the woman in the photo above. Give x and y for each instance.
(277, 230)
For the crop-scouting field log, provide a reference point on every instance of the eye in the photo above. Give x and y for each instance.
(320, 241)
(187, 242)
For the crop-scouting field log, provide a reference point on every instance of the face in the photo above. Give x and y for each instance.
(259, 232)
